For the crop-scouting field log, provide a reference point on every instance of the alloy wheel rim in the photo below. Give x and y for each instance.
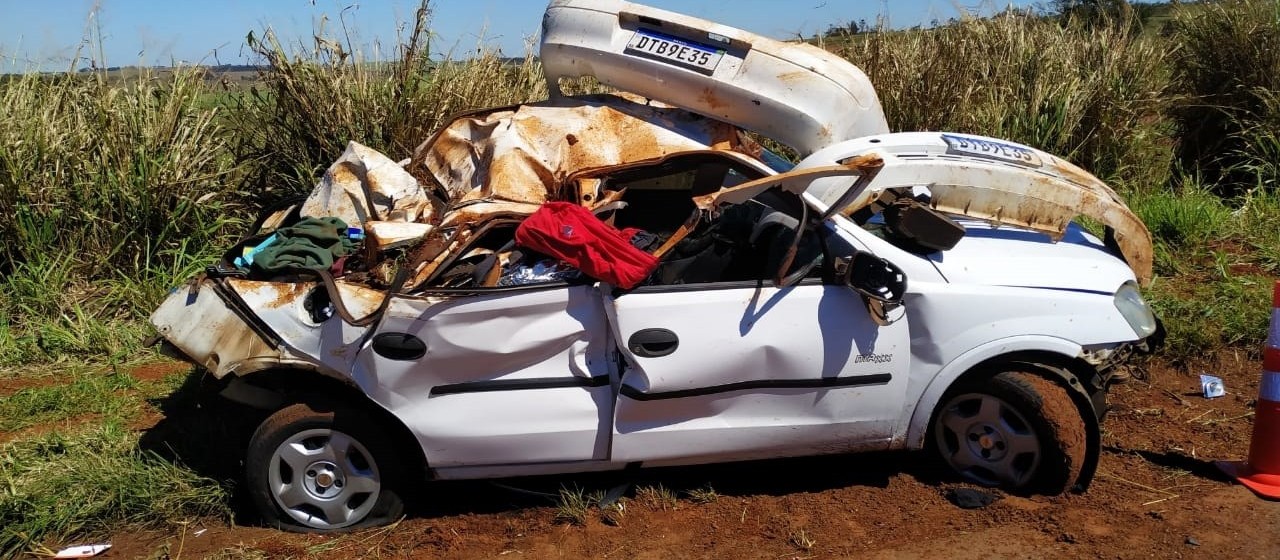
(324, 479)
(987, 441)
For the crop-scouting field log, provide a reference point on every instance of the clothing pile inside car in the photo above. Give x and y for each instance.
(609, 180)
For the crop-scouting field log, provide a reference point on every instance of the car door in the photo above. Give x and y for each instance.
(725, 371)
(496, 376)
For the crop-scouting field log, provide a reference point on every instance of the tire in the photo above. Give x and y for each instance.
(316, 468)
(1015, 430)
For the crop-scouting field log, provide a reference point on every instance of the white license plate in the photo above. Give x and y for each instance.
(1012, 153)
(674, 50)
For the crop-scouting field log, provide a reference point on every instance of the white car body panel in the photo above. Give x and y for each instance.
(1017, 257)
(525, 335)
(775, 346)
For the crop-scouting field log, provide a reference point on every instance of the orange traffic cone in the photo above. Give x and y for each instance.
(1261, 473)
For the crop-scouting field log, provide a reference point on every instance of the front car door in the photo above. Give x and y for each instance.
(756, 371)
(505, 377)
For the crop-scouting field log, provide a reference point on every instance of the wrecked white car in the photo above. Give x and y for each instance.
(592, 283)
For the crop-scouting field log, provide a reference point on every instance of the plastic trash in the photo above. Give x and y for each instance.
(541, 271)
(82, 551)
(246, 255)
(1211, 386)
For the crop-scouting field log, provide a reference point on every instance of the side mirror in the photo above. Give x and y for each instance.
(875, 278)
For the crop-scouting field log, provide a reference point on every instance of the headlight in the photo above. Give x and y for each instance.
(1135, 310)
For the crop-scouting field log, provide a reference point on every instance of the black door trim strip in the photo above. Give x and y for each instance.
(820, 383)
(237, 305)
(518, 385)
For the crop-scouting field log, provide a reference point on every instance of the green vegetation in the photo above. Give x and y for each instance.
(90, 482)
(117, 189)
(575, 505)
(703, 495)
(1091, 94)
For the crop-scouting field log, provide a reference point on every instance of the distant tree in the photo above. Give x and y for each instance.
(835, 30)
(1102, 12)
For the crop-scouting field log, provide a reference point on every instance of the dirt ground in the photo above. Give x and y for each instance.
(1157, 495)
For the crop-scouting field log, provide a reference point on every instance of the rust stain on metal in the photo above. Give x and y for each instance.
(234, 342)
(792, 78)
(708, 97)
(865, 163)
(360, 300)
(1048, 203)
(282, 293)
(513, 160)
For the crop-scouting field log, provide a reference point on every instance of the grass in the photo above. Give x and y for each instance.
(1226, 71)
(657, 497)
(1092, 94)
(575, 505)
(801, 540)
(93, 482)
(703, 495)
(86, 394)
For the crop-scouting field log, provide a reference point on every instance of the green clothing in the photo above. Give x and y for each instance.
(313, 243)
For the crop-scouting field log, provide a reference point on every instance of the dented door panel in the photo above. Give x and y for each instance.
(757, 371)
(512, 377)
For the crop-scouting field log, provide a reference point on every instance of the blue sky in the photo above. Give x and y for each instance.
(44, 35)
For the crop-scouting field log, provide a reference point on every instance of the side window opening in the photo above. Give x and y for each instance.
(743, 242)
(904, 218)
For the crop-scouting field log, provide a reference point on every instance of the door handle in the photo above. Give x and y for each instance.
(653, 343)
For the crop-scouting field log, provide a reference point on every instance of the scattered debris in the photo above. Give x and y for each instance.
(969, 498)
(199, 532)
(1211, 386)
(1192, 541)
(82, 551)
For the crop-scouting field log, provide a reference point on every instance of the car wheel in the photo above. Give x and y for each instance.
(319, 469)
(1014, 430)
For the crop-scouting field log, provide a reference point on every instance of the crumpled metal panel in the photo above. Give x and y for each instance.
(795, 93)
(363, 185)
(199, 323)
(1012, 196)
(511, 161)
(1044, 193)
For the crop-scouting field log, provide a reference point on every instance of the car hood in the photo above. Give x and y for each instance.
(1008, 256)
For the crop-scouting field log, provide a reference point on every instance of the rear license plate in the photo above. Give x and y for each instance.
(1011, 153)
(675, 50)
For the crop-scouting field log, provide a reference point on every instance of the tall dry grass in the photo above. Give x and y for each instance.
(1094, 94)
(314, 98)
(1226, 71)
(107, 189)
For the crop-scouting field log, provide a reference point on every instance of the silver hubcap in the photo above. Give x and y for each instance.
(324, 479)
(987, 441)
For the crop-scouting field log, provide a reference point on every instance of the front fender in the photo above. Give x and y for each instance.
(1030, 353)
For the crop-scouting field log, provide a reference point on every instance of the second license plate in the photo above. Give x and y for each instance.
(675, 50)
